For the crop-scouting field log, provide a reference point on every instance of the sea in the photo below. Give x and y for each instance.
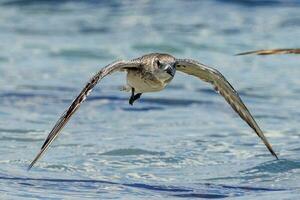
(184, 142)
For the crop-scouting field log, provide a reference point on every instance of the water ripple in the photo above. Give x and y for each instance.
(162, 147)
(205, 190)
(47, 96)
(82, 53)
(20, 139)
(255, 3)
(274, 167)
(130, 152)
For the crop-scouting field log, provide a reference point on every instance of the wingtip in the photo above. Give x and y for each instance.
(258, 52)
(240, 54)
(275, 155)
(29, 167)
(268, 145)
(247, 53)
(37, 157)
(272, 152)
(31, 164)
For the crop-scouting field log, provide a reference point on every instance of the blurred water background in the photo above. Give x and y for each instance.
(183, 142)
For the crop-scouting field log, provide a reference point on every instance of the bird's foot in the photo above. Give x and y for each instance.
(134, 97)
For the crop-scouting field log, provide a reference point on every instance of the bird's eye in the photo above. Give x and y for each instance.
(157, 62)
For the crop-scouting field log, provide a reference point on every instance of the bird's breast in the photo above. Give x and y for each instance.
(144, 82)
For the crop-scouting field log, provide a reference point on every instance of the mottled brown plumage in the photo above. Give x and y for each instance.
(151, 73)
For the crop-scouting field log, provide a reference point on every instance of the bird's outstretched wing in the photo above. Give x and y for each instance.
(271, 51)
(223, 87)
(115, 66)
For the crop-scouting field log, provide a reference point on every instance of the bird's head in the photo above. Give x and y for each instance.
(165, 66)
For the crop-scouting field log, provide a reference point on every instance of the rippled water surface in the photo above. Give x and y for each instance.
(183, 142)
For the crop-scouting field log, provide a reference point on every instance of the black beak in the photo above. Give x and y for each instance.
(170, 70)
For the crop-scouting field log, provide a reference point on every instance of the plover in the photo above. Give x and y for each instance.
(152, 73)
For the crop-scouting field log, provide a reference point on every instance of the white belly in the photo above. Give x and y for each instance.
(142, 84)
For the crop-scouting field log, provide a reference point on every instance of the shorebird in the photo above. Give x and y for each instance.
(271, 52)
(152, 73)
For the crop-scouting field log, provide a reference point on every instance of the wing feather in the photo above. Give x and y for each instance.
(62, 121)
(271, 51)
(225, 89)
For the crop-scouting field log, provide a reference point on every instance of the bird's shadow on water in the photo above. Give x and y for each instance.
(49, 94)
(144, 104)
(201, 190)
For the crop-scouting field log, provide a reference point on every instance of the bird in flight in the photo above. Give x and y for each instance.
(271, 52)
(152, 73)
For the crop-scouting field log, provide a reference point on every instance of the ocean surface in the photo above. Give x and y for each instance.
(181, 143)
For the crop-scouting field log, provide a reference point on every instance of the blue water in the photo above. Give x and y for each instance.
(183, 142)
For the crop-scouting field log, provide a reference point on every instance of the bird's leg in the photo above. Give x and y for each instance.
(131, 100)
(137, 96)
(133, 96)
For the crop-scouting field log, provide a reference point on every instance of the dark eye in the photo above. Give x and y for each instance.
(157, 62)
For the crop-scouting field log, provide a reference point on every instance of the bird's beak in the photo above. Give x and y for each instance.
(170, 69)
